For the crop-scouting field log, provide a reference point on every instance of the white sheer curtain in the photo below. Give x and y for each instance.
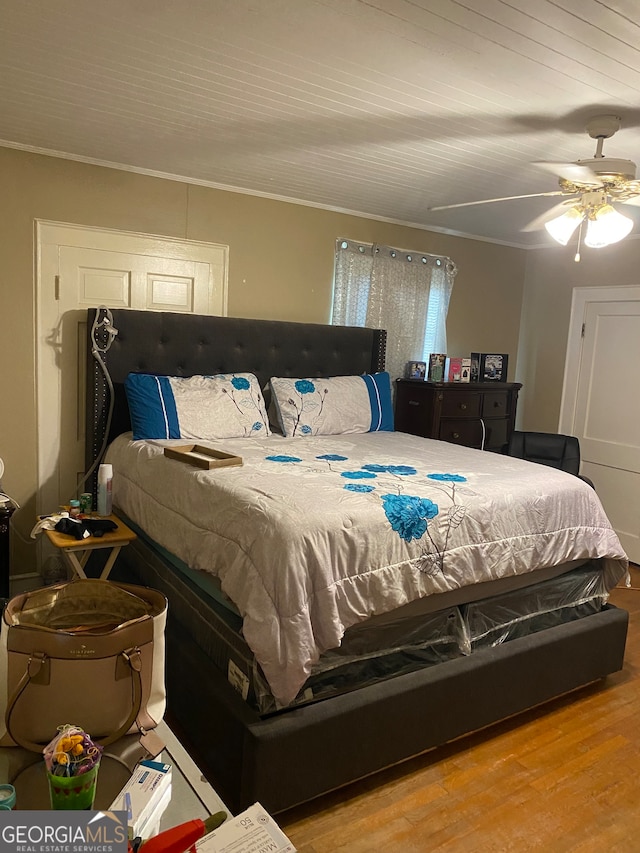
(406, 293)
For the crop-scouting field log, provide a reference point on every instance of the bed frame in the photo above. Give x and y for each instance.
(289, 758)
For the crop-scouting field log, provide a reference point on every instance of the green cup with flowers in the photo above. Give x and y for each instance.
(72, 760)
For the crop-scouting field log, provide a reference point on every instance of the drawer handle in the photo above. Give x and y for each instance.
(498, 404)
(414, 403)
(463, 406)
(455, 435)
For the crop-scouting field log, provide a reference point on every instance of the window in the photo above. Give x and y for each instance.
(406, 293)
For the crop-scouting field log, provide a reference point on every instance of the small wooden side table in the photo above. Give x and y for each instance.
(78, 551)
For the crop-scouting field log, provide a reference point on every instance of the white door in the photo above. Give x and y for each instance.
(601, 401)
(79, 268)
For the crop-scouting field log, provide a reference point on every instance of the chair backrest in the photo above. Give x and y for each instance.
(547, 448)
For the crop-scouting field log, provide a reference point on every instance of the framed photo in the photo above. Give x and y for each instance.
(453, 369)
(437, 362)
(415, 370)
(493, 367)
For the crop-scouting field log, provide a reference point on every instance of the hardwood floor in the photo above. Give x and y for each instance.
(560, 778)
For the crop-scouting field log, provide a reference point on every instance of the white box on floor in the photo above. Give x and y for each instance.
(151, 826)
(143, 794)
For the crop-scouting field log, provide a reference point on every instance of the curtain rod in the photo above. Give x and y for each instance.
(376, 247)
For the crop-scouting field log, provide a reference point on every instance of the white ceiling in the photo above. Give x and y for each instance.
(379, 107)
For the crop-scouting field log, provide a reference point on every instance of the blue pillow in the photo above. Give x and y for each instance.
(196, 407)
(335, 406)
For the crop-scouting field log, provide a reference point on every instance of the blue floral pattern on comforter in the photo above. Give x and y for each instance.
(408, 515)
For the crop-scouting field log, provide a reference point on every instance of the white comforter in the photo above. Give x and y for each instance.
(314, 534)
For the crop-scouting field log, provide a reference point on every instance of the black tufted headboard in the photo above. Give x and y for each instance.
(186, 344)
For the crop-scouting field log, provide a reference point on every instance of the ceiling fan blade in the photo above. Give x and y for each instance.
(634, 201)
(573, 172)
(556, 210)
(491, 200)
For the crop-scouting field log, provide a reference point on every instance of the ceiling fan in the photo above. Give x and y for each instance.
(590, 187)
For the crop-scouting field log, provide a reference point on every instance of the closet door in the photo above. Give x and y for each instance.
(601, 404)
(81, 268)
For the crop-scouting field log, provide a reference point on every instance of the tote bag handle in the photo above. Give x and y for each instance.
(34, 665)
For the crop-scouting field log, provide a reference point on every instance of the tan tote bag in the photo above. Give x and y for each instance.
(85, 652)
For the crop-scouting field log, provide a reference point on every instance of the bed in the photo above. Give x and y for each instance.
(342, 600)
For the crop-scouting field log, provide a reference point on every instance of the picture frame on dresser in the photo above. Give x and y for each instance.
(489, 366)
(415, 370)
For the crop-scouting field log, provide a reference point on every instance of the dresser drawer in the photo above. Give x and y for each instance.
(494, 404)
(460, 431)
(476, 414)
(460, 404)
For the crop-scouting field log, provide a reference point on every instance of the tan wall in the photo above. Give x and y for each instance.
(280, 267)
(546, 310)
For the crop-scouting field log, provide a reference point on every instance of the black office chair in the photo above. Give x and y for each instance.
(548, 448)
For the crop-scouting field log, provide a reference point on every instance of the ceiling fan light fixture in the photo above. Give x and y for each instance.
(606, 226)
(562, 227)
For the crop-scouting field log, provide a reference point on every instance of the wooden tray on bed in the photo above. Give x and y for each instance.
(202, 457)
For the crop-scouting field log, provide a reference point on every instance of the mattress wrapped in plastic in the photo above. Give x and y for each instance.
(372, 653)
(496, 620)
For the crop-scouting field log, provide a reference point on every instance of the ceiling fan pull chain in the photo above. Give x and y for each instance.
(577, 257)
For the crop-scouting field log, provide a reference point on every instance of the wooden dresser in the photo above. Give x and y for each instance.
(475, 414)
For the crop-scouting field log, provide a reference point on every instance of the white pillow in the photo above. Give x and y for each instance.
(335, 406)
(227, 405)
